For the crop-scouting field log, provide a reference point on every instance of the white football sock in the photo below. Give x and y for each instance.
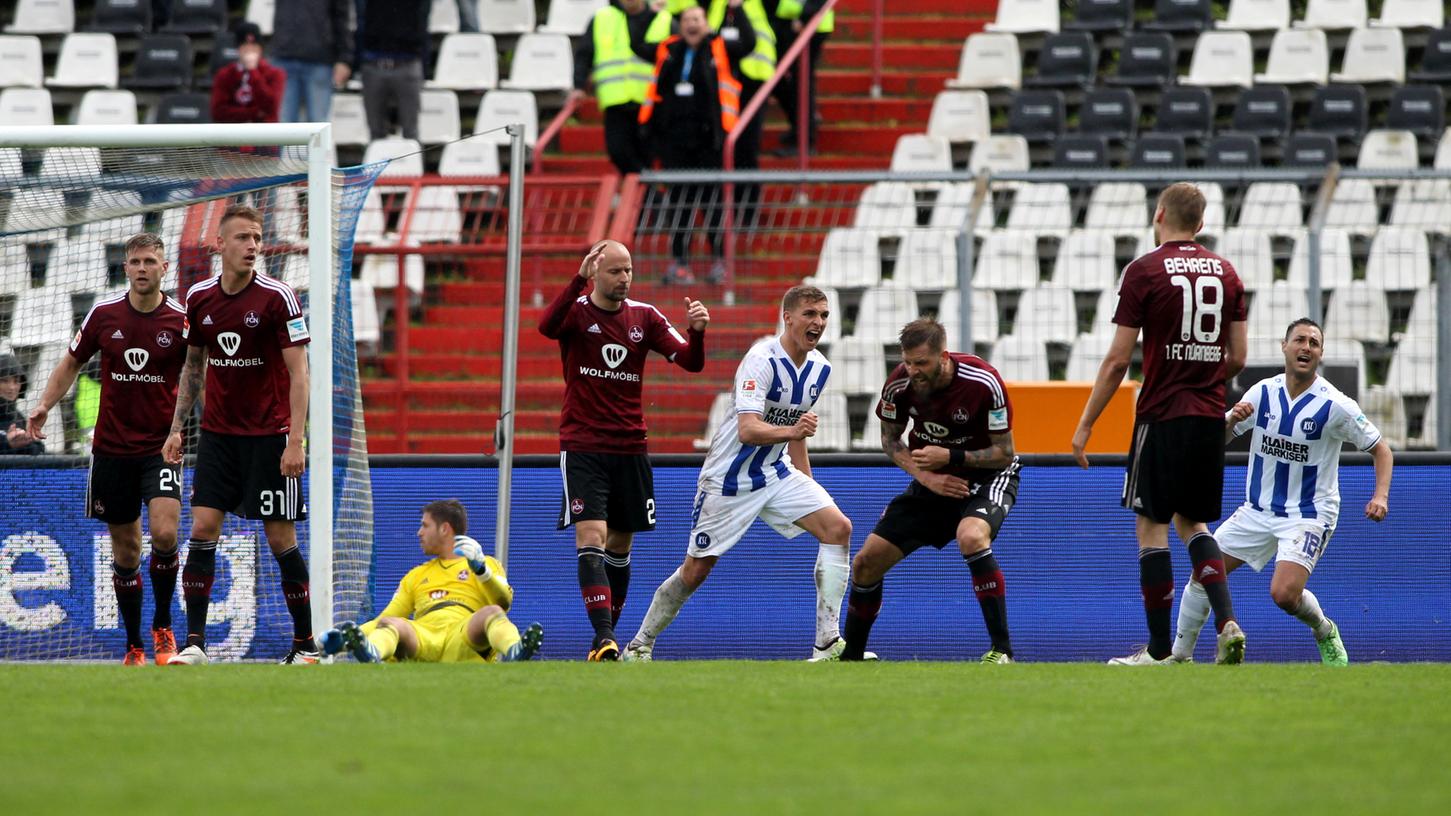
(669, 597)
(831, 573)
(1193, 612)
(1309, 613)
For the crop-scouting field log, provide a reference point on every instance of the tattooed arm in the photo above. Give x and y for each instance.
(190, 385)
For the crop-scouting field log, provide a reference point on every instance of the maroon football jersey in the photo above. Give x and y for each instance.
(1184, 297)
(604, 363)
(959, 416)
(244, 335)
(141, 358)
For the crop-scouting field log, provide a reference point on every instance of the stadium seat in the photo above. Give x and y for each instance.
(720, 409)
(1435, 58)
(1411, 14)
(443, 17)
(1214, 220)
(1413, 365)
(1358, 312)
(570, 17)
(1423, 204)
(466, 62)
(1373, 55)
(350, 120)
(1036, 115)
(886, 207)
(1275, 307)
(1158, 150)
(1232, 150)
(1025, 17)
(1047, 313)
(436, 215)
(367, 328)
(1006, 262)
(1250, 252)
(918, 152)
(1353, 207)
(34, 207)
(381, 272)
(86, 61)
(404, 156)
(1336, 261)
(197, 17)
(11, 168)
(1147, 59)
(1420, 109)
(42, 315)
(1400, 260)
(1086, 261)
(953, 207)
(14, 262)
(1272, 206)
(438, 119)
(1067, 60)
(506, 16)
(1263, 111)
(1297, 56)
(163, 62)
(1309, 150)
(1000, 153)
(1339, 110)
(1386, 409)
(372, 221)
(885, 309)
(1101, 16)
(107, 108)
(989, 60)
(499, 108)
(984, 316)
(1181, 15)
(1080, 150)
(1333, 14)
(542, 62)
(1256, 15)
(1042, 209)
(21, 63)
(1222, 59)
(960, 116)
(1188, 112)
(1388, 150)
(858, 365)
(850, 259)
(43, 17)
(833, 430)
(468, 158)
(263, 14)
(85, 268)
(1423, 318)
(1443, 152)
(1109, 112)
(1020, 358)
(223, 53)
(72, 163)
(1119, 208)
(1087, 355)
(122, 16)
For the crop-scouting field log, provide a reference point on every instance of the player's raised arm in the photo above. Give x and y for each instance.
(189, 386)
(293, 459)
(1110, 374)
(60, 382)
(551, 323)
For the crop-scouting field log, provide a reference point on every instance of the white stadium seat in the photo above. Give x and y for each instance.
(1222, 59)
(438, 119)
(927, 260)
(436, 215)
(1424, 204)
(887, 207)
(466, 62)
(1214, 221)
(1334, 14)
(71, 163)
(1388, 150)
(1412, 14)
(1385, 408)
(11, 167)
(1120, 208)
(1413, 365)
(984, 316)
(1047, 313)
(570, 17)
(1087, 355)
(1001, 153)
(1250, 252)
(1006, 261)
(86, 61)
(1042, 209)
(1297, 56)
(21, 63)
(1275, 307)
(871, 438)
(954, 205)
(957, 116)
(833, 428)
(1353, 207)
(1024, 17)
(1443, 152)
(1273, 206)
(1020, 359)
(918, 152)
(850, 259)
(404, 156)
(350, 120)
(14, 270)
(26, 106)
(1256, 15)
(1103, 311)
(1373, 55)
(1337, 264)
(367, 327)
(41, 315)
(107, 108)
(884, 311)
(469, 158)
(77, 265)
(1358, 312)
(500, 108)
(720, 408)
(1399, 260)
(506, 16)
(262, 13)
(989, 60)
(542, 62)
(1086, 261)
(43, 17)
(859, 366)
(443, 17)
(381, 272)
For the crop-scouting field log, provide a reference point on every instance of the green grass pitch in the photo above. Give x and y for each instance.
(726, 737)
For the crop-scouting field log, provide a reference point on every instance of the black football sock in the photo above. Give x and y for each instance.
(1209, 572)
(163, 586)
(127, 582)
(617, 569)
(594, 586)
(196, 588)
(1156, 582)
(862, 606)
(992, 596)
(299, 601)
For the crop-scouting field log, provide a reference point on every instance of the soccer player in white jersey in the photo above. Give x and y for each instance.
(1292, 492)
(757, 468)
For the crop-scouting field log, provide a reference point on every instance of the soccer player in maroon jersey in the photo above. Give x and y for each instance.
(1190, 304)
(139, 335)
(609, 490)
(964, 478)
(247, 333)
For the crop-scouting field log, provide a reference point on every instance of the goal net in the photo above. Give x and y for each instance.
(69, 199)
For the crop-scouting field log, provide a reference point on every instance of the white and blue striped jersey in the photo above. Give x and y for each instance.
(1294, 466)
(769, 384)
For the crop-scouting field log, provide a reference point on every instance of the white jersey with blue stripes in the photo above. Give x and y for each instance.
(1294, 465)
(767, 383)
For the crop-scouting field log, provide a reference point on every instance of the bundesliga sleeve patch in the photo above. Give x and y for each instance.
(76, 341)
(297, 330)
(997, 419)
(889, 410)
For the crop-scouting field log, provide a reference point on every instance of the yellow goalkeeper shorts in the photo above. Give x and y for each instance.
(448, 642)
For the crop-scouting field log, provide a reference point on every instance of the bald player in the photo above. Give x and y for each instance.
(609, 490)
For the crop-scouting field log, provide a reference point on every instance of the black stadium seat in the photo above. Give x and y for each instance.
(1232, 150)
(1102, 15)
(1421, 109)
(197, 17)
(1146, 60)
(1111, 112)
(1067, 59)
(1186, 111)
(1036, 115)
(1181, 15)
(224, 53)
(1083, 150)
(162, 61)
(1307, 149)
(1436, 59)
(184, 109)
(1339, 110)
(1158, 150)
(1264, 111)
(121, 16)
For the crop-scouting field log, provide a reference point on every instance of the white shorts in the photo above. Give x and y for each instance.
(1254, 537)
(718, 522)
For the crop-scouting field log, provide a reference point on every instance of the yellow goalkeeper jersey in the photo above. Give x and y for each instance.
(441, 592)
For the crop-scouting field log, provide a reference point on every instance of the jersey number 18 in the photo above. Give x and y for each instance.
(1197, 307)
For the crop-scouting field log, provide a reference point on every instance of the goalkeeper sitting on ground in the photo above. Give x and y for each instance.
(457, 602)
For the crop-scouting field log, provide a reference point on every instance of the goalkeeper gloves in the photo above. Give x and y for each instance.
(471, 551)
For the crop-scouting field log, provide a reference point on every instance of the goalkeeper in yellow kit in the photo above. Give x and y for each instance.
(457, 603)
